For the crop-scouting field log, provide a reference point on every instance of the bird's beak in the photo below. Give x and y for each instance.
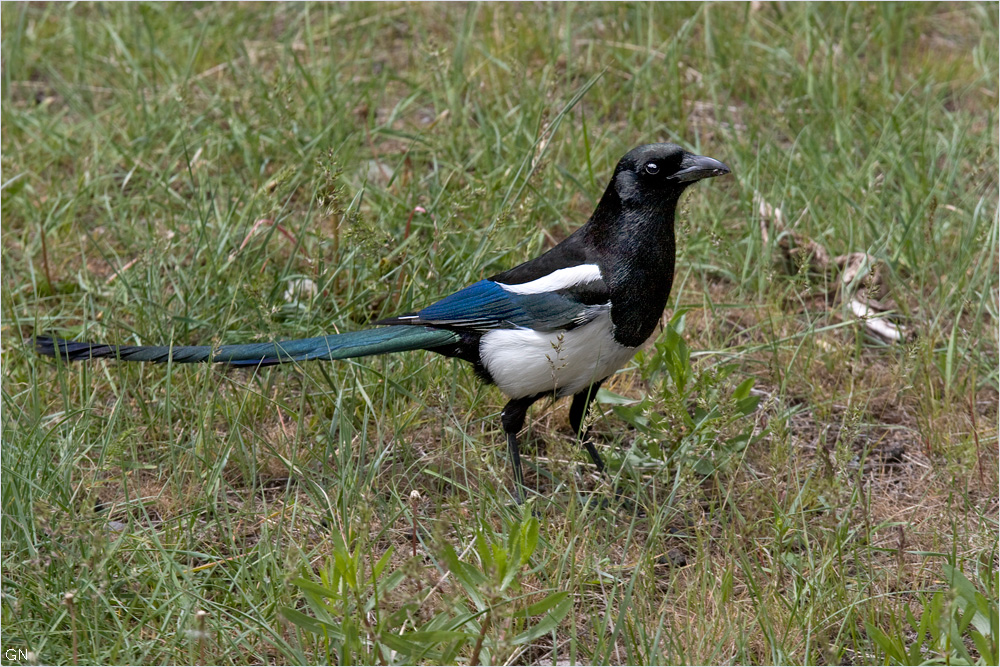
(697, 167)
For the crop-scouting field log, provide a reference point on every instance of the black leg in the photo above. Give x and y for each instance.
(577, 414)
(512, 418)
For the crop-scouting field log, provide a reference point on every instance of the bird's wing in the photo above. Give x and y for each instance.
(564, 299)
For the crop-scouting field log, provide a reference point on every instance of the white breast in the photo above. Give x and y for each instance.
(524, 362)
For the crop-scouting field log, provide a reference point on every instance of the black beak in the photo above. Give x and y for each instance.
(697, 167)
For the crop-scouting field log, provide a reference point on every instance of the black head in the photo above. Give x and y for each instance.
(656, 173)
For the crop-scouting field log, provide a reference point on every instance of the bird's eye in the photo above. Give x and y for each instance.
(652, 168)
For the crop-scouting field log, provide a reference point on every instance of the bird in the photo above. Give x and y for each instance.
(558, 325)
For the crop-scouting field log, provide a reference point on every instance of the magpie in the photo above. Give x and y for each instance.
(558, 325)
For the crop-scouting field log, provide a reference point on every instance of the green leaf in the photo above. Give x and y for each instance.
(704, 466)
(485, 550)
(382, 562)
(382, 587)
(452, 620)
(678, 318)
(419, 646)
(467, 575)
(967, 597)
(544, 605)
(910, 618)
(509, 571)
(748, 405)
(310, 624)
(546, 625)
(437, 636)
(702, 417)
(346, 566)
(892, 650)
(315, 589)
(987, 649)
(450, 556)
(390, 582)
(606, 397)
(738, 442)
(402, 645)
(633, 415)
(743, 389)
(529, 539)
(654, 448)
(674, 354)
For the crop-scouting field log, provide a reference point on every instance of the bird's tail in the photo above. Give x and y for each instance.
(339, 346)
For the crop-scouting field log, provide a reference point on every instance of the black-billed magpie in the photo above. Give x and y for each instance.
(557, 325)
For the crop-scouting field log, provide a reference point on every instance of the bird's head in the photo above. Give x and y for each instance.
(655, 174)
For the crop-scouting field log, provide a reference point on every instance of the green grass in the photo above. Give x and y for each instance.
(143, 144)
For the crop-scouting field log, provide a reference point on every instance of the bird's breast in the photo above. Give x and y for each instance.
(524, 362)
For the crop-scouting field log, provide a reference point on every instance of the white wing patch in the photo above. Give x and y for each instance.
(557, 280)
(523, 362)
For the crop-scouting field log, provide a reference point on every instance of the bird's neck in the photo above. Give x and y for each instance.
(635, 250)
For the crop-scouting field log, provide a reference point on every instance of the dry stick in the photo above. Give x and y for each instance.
(281, 417)
(256, 225)
(479, 640)
(406, 235)
(45, 258)
(207, 566)
(68, 601)
(416, 209)
(120, 271)
(201, 615)
(378, 160)
(414, 499)
(975, 430)
(336, 234)
(900, 552)
(414, 537)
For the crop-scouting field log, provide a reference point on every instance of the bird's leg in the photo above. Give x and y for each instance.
(512, 418)
(577, 414)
